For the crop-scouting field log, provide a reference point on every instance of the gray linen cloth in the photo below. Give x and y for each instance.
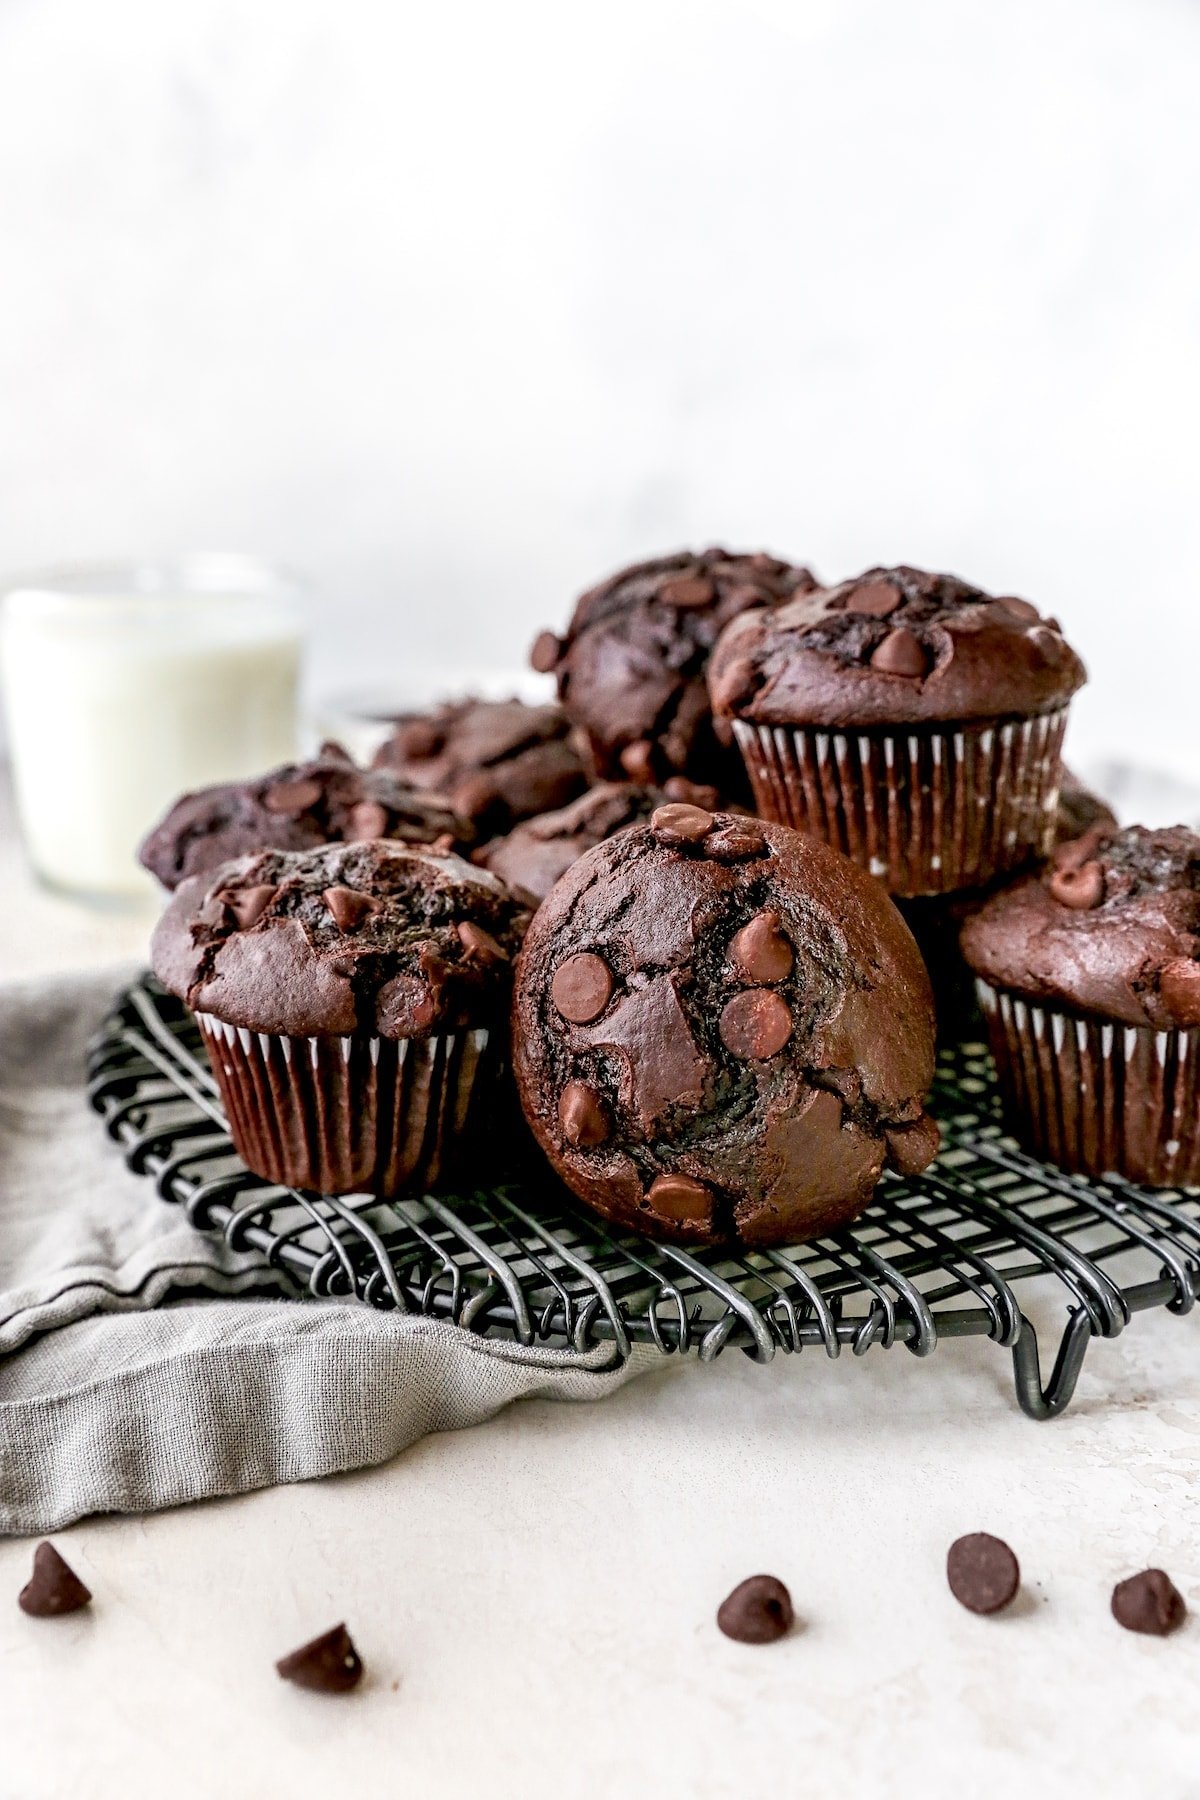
(111, 1401)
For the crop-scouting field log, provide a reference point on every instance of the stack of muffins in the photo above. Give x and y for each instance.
(670, 904)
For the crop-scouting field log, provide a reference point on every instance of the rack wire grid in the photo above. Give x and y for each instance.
(936, 1256)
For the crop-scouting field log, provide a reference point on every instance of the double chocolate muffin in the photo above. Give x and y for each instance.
(297, 807)
(353, 1002)
(497, 761)
(1089, 975)
(722, 1031)
(630, 668)
(909, 719)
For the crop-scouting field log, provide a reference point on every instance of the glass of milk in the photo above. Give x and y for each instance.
(126, 686)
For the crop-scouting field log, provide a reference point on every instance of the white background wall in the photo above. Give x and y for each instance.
(454, 306)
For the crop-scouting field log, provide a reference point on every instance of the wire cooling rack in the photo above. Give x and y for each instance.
(936, 1256)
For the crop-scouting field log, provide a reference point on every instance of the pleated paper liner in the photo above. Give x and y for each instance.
(1097, 1098)
(927, 811)
(347, 1115)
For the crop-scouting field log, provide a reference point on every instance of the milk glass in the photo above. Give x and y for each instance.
(126, 686)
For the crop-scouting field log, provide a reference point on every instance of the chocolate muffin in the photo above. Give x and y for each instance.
(535, 853)
(353, 1002)
(1089, 976)
(722, 1030)
(1078, 808)
(630, 669)
(909, 719)
(498, 761)
(297, 807)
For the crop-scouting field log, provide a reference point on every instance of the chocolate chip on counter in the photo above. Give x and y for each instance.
(54, 1588)
(679, 1197)
(1149, 1603)
(983, 1573)
(348, 908)
(688, 590)
(478, 943)
(328, 1665)
(367, 819)
(755, 1024)
(900, 653)
(582, 1115)
(637, 760)
(547, 648)
(735, 843)
(877, 599)
(247, 904)
(760, 952)
(680, 824)
(581, 987)
(758, 1611)
(1179, 990)
(1081, 889)
(911, 1148)
(292, 797)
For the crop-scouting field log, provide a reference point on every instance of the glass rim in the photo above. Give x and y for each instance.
(204, 575)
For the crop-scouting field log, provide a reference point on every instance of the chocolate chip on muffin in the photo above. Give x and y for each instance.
(1079, 809)
(722, 1031)
(498, 761)
(630, 667)
(297, 807)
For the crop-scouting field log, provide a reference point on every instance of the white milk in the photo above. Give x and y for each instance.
(121, 694)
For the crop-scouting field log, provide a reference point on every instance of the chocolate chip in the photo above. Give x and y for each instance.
(900, 654)
(418, 740)
(743, 598)
(735, 843)
(479, 943)
(680, 1198)
(738, 682)
(328, 1665)
(755, 1024)
(247, 904)
(911, 1148)
(54, 1588)
(332, 751)
(874, 598)
(637, 760)
(1179, 990)
(759, 1611)
(442, 846)
(1018, 609)
(1150, 1603)
(368, 819)
(547, 649)
(1076, 851)
(680, 824)
(582, 1115)
(292, 797)
(678, 787)
(760, 952)
(1080, 889)
(983, 1573)
(474, 794)
(581, 987)
(347, 907)
(688, 590)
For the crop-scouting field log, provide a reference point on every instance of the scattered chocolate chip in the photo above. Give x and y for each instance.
(54, 1588)
(367, 819)
(735, 843)
(1080, 889)
(583, 1116)
(547, 649)
(759, 1611)
(247, 904)
(637, 760)
(983, 1573)
(292, 797)
(877, 599)
(1179, 991)
(1149, 1603)
(760, 952)
(328, 1665)
(581, 987)
(348, 908)
(900, 654)
(911, 1148)
(679, 1197)
(688, 590)
(680, 824)
(479, 943)
(755, 1024)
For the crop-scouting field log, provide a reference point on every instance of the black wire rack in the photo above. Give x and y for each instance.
(936, 1256)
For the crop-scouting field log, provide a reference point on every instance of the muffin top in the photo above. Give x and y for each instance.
(380, 938)
(1079, 808)
(1110, 927)
(721, 1030)
(296, 807)
(892, 647)
(630, 668)
(498, 761)
(534, 854)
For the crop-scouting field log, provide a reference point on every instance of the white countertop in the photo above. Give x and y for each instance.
(534, 1598)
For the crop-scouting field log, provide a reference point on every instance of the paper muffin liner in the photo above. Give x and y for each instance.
(344, 1115)
(928, 810)
(1097, 1098)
